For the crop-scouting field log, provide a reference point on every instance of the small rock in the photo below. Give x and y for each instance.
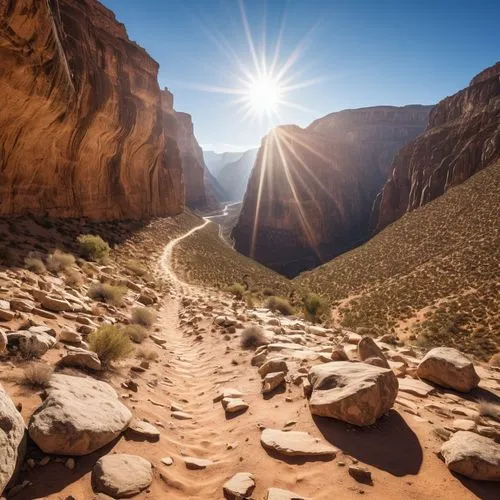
(239, 486)
(360, 474)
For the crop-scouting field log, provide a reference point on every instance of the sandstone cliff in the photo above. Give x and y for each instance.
(462, 138)
(197, 195)
(81, 117)
(311, 191)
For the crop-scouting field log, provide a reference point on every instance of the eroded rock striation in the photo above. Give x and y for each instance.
(81, 127)
(311, 191)
(463, 137)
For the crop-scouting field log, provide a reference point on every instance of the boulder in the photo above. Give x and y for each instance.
(279, 494)
(43, 329)
(271, 381)
(355, 393)
(367, 348)
(473, 456)
(121, 475)
(239, 486)
(55, 304)
(69, 335)
(81, 358)
(273, 365)
(12, 439)
(295, 443)
(448, 367)
(78, 416)
(35, 344)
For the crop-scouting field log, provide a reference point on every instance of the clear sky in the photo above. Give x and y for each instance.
(343, 54)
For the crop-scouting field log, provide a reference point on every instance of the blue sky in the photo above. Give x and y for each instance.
(355, 52)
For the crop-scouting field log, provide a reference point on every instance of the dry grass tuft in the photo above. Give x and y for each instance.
(147, 353)
(35, 265)
(253, 337)
(135, 267)
(279, 304)
(143, 316)
(315, 307)
(136, 333)
(236, 289)
(93, 247)
(110, 343)
(37, 375)
(107, 293)
(60, 261)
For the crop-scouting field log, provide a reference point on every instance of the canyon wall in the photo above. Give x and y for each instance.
(82, 120)
(311, 191)
(462, 138)
(198, 194)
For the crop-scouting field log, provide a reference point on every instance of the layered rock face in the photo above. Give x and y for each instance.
(310, 194)
(197, 194)
(81, 129)
(462, 138)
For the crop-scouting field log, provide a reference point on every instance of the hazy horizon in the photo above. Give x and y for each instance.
(333, 56)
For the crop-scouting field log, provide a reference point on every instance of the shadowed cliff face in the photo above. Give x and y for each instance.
(81, 126)
(198, 195)
(462, 138)
(311, 191)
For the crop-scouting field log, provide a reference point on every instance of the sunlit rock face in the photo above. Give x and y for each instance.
(198, 194)
(311, 191)
(462, 138)
(81, 121)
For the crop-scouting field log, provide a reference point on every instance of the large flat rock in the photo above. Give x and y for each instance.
(295, 443)
(356, 393)
(12, 439)
(78, 416)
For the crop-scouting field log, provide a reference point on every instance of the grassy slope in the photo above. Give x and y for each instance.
(433, 273)
(205, 259)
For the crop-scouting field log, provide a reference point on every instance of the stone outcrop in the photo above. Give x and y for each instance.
(81, 124)
(463, 137)
(12, 439)
(197, 194)
(473, 456)
(448, 367)
(311, 191)
(78, 416)
(355, 393)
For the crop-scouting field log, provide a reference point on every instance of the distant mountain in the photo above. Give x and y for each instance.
(212, 185)
(233, 177)
(215, 162)
(311, 191)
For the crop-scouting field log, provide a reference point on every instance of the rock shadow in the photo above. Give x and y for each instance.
(281, 389)
(485, 490)
(389, 445)
(54, 477)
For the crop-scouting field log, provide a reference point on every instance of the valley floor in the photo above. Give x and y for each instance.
(200, 358)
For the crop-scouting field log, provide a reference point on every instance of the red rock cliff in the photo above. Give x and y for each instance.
(462, 138)
(198, 195)
(311, 190)
(81, 122)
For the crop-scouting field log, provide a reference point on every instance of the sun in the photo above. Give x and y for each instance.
(264, 94)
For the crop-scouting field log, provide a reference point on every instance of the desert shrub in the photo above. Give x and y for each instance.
(136, 333)
(72, 277)
(136, 267)
(279, 304)
(315, 307)
(147, 353)
(110, 344)
(37, 375)
(93, 247)
(35, 265)
(143, 316)
(268, 292)
(488, 409)
(249, 299)
(60, 261)
(107, 293)
(237, 289)
(88, 269)
(253, 336)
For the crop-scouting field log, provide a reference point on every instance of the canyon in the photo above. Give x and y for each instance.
(462, 138)
(311, 191)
